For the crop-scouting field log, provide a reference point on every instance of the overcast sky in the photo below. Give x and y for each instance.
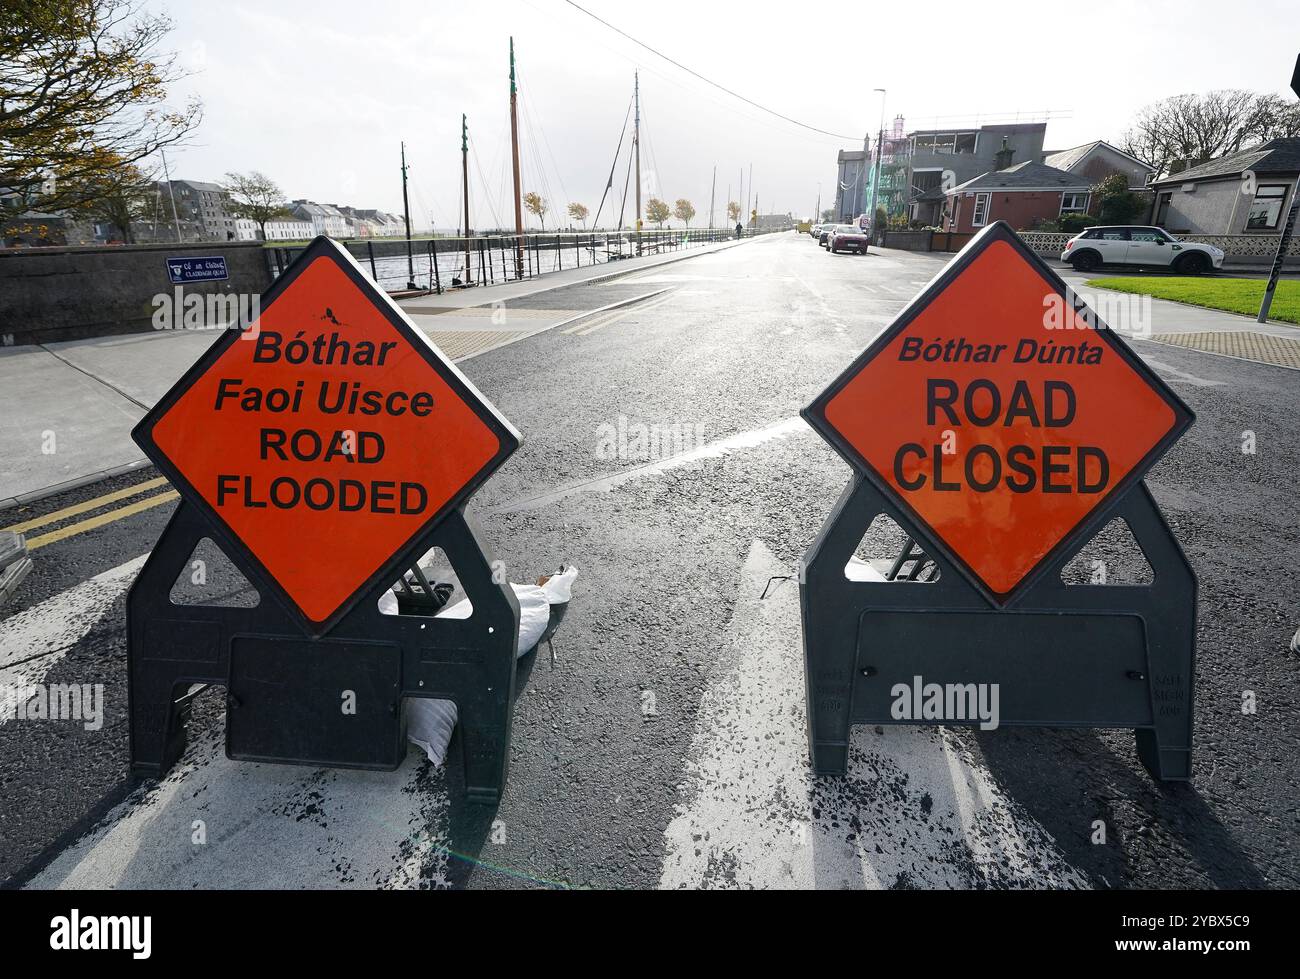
(318, 94)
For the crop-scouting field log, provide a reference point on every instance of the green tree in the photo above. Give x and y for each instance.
(118, 197)
(657, 211)
(1115, 203)
(83, 90)
(256, 197)
(579, 213)
(537, 205)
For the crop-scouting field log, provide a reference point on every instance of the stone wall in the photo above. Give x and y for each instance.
(67, 293)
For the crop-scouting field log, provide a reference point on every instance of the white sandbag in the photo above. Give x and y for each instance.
(534, 615)
(559, 588)
(429, 724)
(534, 612)
(859, 570)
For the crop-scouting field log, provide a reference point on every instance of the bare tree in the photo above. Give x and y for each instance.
(82, 93)
(1187, 130)
(255, 196)
(684, 210)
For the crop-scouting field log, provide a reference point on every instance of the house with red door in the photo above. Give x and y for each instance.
(1021, 195)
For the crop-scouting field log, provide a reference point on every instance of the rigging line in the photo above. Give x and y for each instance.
(546, 140)
(487, 187)
(539, 169)
(708, 81)
(609, 184)
(696, 92)
(623, 200)
(650, 151)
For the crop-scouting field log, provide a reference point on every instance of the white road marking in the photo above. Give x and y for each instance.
(914, 809)
(713, 450)
(266, 826)
(1175, 375)
(36, 638)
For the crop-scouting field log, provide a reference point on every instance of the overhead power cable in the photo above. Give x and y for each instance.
(707, 81)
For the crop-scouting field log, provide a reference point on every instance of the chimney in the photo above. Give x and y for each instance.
(1004, 155)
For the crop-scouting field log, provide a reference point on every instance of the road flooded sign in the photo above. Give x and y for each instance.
(1000, 414)
(328, 438)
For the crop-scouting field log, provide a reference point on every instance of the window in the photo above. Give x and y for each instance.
(1149, 234)
(1113, 234)
(981, 215)
(1266, 209)
(1074, 203)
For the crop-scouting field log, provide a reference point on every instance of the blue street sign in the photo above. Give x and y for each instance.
(208, 269)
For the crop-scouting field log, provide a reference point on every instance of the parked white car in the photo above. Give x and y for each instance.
(1131, 244)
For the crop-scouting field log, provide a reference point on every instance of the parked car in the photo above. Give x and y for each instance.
(1139, 245)
(849, 238)
(824, 236)
(815, 231)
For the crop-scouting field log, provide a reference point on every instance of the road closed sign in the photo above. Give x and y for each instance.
(328, 438)
(999, 413)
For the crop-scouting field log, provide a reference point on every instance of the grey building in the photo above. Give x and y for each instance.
(853, 184)
(1098, 160)
(1242, 193)
(201, 208)
(944, 158)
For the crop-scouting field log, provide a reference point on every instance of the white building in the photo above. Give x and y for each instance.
(325, 219)
(289, 229)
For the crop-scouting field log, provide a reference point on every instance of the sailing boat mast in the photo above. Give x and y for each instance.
(636, 145)
(464, 170)
(713, 189)
(406, 213)
(514, 150)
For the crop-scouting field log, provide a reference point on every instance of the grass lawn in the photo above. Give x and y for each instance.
(1232, 295)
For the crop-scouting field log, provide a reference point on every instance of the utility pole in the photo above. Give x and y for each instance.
(817, 214)
(742, 198)
(1288, 228)
(406, 213)
(172, 192)
(880, 152)
(514, 150)
(748, 201)
(464, 172)
(636, 145)
(713, 189)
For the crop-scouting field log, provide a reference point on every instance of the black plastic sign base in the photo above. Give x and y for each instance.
(332, 701)
(1107, 656)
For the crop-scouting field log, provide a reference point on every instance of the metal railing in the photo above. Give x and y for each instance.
(492, 258)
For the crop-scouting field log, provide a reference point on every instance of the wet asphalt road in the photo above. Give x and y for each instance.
(745, 339)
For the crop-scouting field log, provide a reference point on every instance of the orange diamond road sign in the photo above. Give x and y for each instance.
(999, 413)
(328, 438)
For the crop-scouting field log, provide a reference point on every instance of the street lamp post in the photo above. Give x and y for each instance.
(880, 145)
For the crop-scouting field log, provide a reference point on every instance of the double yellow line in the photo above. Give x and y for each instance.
(91, 523)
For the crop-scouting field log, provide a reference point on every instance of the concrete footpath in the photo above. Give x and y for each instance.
(67, 408)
